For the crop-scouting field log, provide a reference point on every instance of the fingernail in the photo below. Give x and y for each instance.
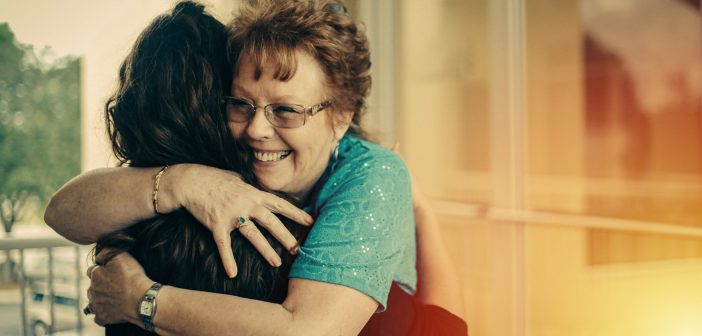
(293, 250)
(231, 274)
(275, 261)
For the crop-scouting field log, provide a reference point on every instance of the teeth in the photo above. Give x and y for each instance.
(271, 156)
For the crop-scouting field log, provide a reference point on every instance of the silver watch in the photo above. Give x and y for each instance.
(147, 306)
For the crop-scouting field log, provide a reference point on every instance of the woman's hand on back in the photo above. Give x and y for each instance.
(439, 284)
(219, 198)
(115, 286)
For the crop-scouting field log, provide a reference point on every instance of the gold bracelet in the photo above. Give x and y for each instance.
(154, 194)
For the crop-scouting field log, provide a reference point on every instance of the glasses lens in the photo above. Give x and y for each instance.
(239, 110)
(286, 115)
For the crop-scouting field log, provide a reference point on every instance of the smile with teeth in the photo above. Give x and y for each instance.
(271, 156)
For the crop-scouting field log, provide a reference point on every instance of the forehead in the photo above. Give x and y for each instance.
(256, 76)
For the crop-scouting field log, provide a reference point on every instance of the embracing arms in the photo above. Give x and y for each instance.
(438, 282)
(110, 199)
(311, 308)
(307, 300)
(102, 201)
(342, 274)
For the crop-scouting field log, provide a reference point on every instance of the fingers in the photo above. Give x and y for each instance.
(112, 289)
(223, 240)
(90, 308)
(287, 209)
(104, 256)
(99, 321)
(273, 225)
(90, 270)
(260, 243)
(396, 148)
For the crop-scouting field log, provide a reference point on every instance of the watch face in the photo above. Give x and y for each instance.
(146, 308)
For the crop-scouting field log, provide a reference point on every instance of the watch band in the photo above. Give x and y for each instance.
(147, 306)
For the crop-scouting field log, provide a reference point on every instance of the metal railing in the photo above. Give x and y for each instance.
(47, 242)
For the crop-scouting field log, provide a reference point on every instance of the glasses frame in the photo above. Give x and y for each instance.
(308, 111)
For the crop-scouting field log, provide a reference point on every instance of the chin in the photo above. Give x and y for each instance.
(272, 183)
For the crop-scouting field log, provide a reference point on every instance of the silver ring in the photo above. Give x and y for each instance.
(88, 310)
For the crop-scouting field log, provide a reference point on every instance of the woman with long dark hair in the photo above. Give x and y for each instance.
(168, 109)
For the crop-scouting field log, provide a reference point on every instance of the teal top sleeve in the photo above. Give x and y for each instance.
(364, 234)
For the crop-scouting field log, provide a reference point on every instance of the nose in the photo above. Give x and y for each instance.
(259, 128)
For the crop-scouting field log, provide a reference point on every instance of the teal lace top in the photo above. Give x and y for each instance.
(364, 234)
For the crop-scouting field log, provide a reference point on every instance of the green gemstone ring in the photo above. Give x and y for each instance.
(243, 221)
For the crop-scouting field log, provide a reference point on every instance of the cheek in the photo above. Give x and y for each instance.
(236, 130)
(317, 153)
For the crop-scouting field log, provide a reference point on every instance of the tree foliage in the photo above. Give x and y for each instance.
(39, 125)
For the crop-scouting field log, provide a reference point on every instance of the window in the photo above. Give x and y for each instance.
(562, 143)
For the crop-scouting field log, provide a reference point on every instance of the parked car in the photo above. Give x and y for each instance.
(66, 302)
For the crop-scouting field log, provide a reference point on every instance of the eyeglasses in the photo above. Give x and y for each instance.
(279, 115)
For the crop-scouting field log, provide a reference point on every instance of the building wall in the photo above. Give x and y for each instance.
(547, 165)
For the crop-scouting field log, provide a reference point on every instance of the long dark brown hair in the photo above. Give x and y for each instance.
(168, 109)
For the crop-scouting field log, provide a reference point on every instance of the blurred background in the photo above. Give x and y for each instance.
(561, 142)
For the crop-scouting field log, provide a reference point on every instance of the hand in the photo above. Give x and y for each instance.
(218, 198)
(116, 288)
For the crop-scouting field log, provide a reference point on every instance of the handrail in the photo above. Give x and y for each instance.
(47, 241)
(20, 242)
(474, 210)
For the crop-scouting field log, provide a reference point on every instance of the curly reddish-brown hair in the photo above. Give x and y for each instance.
(271, 31)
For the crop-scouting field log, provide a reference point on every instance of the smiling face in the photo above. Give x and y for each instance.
(290, 160)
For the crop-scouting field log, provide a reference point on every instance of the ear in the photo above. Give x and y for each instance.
(342, 122)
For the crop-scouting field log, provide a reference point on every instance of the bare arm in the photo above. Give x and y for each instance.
(438, 281)
(106, 200)
(102, 201)
(311, 307)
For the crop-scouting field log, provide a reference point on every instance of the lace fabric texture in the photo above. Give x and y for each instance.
(364, 234)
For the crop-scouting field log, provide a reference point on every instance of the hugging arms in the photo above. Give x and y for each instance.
(289, 120)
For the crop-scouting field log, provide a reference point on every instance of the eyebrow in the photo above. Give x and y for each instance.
(287, 99)
(238, 88)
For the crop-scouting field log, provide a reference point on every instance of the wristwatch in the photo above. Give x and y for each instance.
(147, 306)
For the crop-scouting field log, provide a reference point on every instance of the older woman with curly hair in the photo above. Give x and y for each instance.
(301, 76)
